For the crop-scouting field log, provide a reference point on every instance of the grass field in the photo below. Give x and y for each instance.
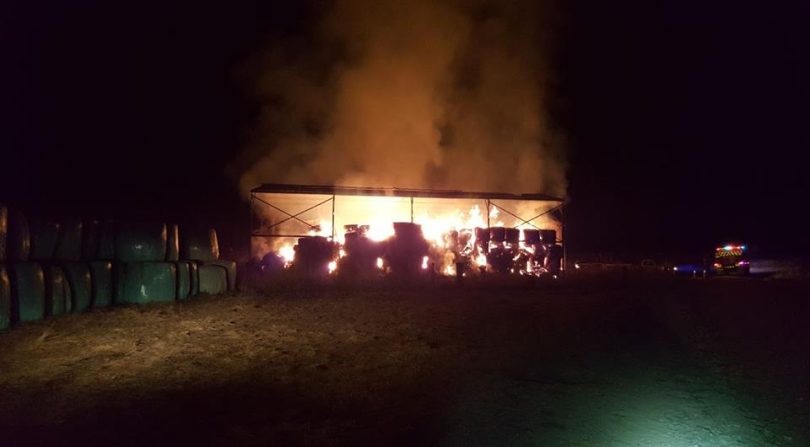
(648, 362)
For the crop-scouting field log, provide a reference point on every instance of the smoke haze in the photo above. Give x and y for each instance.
(422, 94)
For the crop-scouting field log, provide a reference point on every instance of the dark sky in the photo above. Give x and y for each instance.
(687, 123)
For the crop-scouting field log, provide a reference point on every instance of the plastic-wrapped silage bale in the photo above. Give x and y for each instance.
(90, 233)
(44, 236)
(3, 231)
(101, 276)
(106, 241)
(5, 299)
(202, 246)
(27, 291)
(57, 292)
(81, 285)
(183, 280)
(18, 242)
(230, 271)
(69, 243)
(198, 244)
(140, 242)
(145, 282)
(194, 276)
(173, 243)
(140, 272)
(213, 279)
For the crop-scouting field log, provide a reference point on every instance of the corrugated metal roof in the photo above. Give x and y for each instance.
(397, 192)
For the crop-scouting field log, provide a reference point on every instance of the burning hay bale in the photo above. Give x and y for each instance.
(403, 232)
(406, 249)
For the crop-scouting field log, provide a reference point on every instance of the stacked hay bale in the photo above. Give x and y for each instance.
(98, 252)
(5, 298)
(183, 290)
(26, 279)
(49, 268)
(199, 248)
(142, 274)
(45, 237)
(5, 284)
(77, 273)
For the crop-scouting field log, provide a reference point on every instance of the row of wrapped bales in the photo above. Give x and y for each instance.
(49, 268)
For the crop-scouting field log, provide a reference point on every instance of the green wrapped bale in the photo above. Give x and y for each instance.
(57, 292)
(194, 276)
(173, 243)
(183, 280)
(5, 299)
(101, 277)
(145, 282)
(230, 269)
(44, 236)
(81, 285)
(3, 232)
(199, 245)
(213, 279)
(27, 291)
(106, 241)
(140, 242)
(18, 243)
(69, 245)
(90, 230)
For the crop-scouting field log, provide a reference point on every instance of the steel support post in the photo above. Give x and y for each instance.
(488, 225)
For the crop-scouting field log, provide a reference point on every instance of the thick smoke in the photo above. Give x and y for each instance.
(424, 94)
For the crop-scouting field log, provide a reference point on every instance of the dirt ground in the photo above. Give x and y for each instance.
(591, 362)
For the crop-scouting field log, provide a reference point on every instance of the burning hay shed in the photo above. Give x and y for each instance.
(325, 230)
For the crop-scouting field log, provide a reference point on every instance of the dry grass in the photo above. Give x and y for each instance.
(331, 365)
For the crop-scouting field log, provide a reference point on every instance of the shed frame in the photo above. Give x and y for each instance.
(489, 199)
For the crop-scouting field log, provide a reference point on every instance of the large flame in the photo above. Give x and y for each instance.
(451, 237)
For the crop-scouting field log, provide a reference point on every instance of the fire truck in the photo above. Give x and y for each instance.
(731, 259)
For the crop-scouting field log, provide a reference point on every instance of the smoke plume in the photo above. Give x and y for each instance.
(417, 93)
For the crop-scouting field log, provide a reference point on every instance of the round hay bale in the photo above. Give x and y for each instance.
(199, 245)
(194, 277)
(57, 292)
(183, 280)
(140, 242)
(18, 244)
(106, 241)
(5, 299)
(44, 236)
(173, 243)
(3, 231)
(27, 291)
(90, 233)
(230, 270)
(81, 285)
(145, 282)
(69, 245)
(213, 279)
(101, 277)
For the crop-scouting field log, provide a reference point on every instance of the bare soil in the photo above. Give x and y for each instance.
(592, 362)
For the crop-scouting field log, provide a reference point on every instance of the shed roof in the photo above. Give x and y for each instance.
(397, 192)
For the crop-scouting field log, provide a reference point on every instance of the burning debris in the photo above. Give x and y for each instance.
(428, 94)
(365, 232)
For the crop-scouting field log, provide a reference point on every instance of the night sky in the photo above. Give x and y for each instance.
(686, 123)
